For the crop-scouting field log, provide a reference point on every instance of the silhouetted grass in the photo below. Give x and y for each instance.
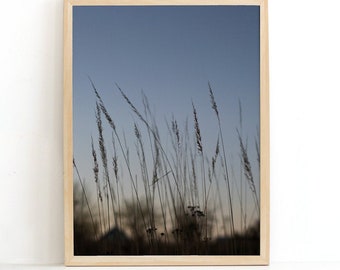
(176, 205)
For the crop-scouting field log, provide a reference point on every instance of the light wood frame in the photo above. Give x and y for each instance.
(263, 258)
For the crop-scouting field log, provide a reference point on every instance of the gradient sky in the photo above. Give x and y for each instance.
(170, 53)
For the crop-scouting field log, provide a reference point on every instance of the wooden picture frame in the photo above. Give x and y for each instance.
(190, 221)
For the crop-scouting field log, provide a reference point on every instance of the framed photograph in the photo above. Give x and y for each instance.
(166, 132)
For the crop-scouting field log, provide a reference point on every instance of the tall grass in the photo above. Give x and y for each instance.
(176, 204)
(224, 159)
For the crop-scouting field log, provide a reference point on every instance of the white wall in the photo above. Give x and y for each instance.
(305, 131)
(31, 208)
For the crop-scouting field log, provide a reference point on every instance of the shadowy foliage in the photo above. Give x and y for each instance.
(182, 200)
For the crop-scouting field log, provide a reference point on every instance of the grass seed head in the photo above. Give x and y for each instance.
(197, 131)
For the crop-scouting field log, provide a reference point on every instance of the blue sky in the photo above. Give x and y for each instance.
(171, 53)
